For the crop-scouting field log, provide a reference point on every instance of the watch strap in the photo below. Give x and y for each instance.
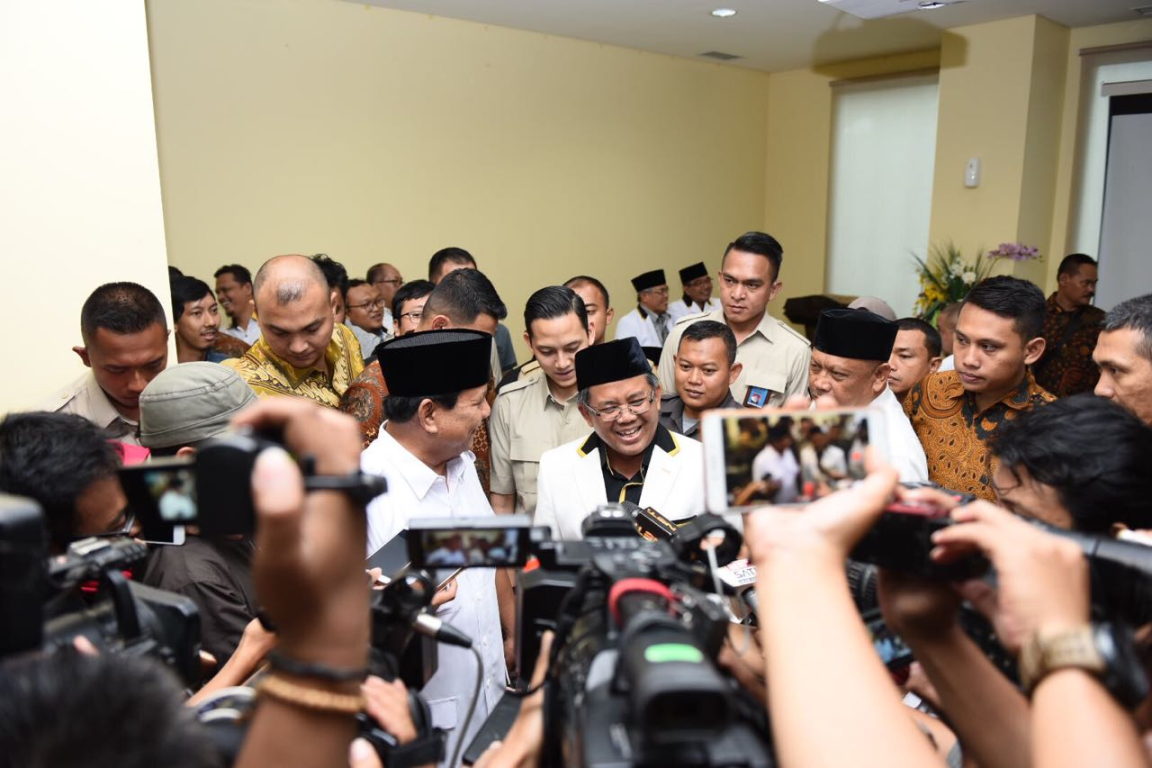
(1047, 652)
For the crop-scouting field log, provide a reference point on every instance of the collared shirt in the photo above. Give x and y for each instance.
(249, 334)
(416, 491)
(617, 487)
(269, 376)
(216, 573)
(648, 329)
(904, 450)
(781, 468)
(367, 339)
(364, 401)
(389, 328)
(1071, 371)
(955, 435)
(774, 357)
(526, 421)
(685, 307)
(672, 414)
(84, 397)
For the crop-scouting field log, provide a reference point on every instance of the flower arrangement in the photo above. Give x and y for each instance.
(946, 276)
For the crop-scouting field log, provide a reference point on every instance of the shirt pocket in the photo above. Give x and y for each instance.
(773, 381)
(525, 454)
(444, 714)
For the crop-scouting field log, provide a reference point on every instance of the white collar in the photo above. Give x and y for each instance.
(417, 475)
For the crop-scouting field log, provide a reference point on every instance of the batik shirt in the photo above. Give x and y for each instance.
(269, 376)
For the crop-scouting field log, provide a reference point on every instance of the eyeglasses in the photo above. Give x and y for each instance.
(635, 407)
(121, 530)
(396, 280)
(699, 282)
(378, 304)
(661, 291)
(413, 316)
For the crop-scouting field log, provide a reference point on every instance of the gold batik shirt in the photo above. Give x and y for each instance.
(955, 435)
(269, 376)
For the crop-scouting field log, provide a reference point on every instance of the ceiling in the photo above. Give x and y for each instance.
(769, 35)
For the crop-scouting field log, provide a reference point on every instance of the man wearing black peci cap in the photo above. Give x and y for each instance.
(437, 386)
(628, 457)
(697, 299)
(850, 364)
(650, 322)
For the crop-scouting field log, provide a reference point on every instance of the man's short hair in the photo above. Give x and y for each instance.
(403, 409)
(711, 329)
(932, 338)
(239, 274)
(411, 290)
(120, 308)
(53, 458)
(949, 310)
(553, 302)
(353, 283)
(588, 280)
(1136, 315)
(464, 295)
(1014, 299)
(373, 272)
(1071, 263)
(584, 397)
(174, 272)
(1099, 487)
(184, 290)
(70, 710)
(334, 273)
(760, 243)
(450, 255)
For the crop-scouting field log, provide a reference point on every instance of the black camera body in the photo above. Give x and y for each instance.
(633, 679)
(45, 603)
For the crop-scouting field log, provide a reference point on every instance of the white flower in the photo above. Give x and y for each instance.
(969, 277)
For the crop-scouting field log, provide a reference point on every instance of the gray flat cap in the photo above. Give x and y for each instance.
(190, 402)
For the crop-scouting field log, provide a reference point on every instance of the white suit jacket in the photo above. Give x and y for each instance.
(571, 483)
(642, 328)
(680, 308)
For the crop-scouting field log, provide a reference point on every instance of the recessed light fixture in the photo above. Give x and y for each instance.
(723, 13)
(931, 5)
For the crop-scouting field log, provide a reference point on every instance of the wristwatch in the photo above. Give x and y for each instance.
(1106, 651)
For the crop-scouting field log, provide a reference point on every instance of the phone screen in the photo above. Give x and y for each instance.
(784, 458)
(463, 548)
(889, 646)
(162, 495)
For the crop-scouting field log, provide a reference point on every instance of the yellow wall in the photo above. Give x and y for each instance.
(370, 134)
(79, 184)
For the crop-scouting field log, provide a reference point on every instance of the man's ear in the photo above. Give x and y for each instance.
(83, 352)
(1034, 350)
(880, 378)
(934, 364)
(426, 414)
(528, 339)
(734, 373)
(439, 323)
(608, 317)
(587, 416)
(774, 289)
(185, 451)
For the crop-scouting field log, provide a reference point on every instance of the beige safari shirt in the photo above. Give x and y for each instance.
(84, 397)
(774, 357)
(527, 421)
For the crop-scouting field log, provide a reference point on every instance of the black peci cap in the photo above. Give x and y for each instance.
(653, 279)
(855, 333)
(435, 362)
(611, 361)
(688, 274)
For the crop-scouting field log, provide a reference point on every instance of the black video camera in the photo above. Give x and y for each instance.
(632, 673)
(45, 603)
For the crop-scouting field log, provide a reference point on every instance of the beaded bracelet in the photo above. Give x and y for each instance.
(310, 698)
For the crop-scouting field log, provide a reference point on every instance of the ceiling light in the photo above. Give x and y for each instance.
(931, 5)
(723, 13)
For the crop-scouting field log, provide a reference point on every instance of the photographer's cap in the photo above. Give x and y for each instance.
(611, 361)
(694, 272)
(190, 402)
(429, 363)
(856, 334)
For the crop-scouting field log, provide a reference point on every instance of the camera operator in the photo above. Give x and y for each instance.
(179, 409)
(66, 464)
(1043, 604)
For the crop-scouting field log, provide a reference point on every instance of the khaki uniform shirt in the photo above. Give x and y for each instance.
(269, 376)
(84, 397)
(527, 421)
(774, 357)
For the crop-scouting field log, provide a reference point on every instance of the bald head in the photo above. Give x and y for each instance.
(288, 279)
(295, 309)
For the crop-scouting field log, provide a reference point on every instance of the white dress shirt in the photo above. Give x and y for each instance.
(905, 452)
(414, 490)
(679, 308)
(643, 328)
(247, 335)
(947, 364)
(782, 468)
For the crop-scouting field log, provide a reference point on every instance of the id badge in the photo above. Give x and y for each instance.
(757, 397)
